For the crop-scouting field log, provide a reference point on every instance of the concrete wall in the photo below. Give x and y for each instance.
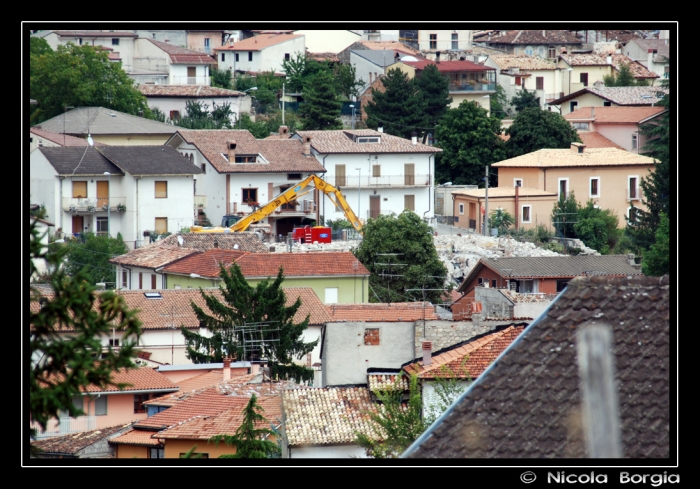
(444, 40)
(493, 303)
(444, 334)
(529, 309)
(327, 451)
(325, 41)
(130, 451)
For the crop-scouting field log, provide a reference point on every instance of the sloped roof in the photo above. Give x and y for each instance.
(313, 264)
(504, 192)
(638, 69)
(620, 95)
(282, 155)
(529, 37)
(468, 359)
(387, 381)
(556, 158)
(584, 59)
(180, 55)
(613, 114)
(61, 139)
(342, 141)
(73, 443)
(78, 161)
(98, 121)
(259, 42)
(150, 160)
(531, 396)
(192, 386)
(393, 45)
(135, 379)
(187, 91)
(152, 256)
(565, 266)
(326, 416)
(661, 45)
(449, 66)
(136, 437)
(207, 241)
(594, 139)
(522, 61)
(396, 311)
(88, 33)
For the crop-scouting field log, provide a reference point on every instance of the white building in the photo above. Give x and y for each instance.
(376, 172)
(260, 53)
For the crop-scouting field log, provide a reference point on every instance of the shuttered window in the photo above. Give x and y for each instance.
(79, 190)
(161, 190)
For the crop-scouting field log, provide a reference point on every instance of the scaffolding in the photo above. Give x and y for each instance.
(257, 339)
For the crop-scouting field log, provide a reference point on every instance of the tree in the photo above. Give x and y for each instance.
(416, 261)
(499, 103)
(61, 366)
(92, 253)
(199, 117)
(448, 387)
(624, 77)
(501, 219)
(469, 141)
(434, 89)
(597, 228)
(347, 83)
(321, 108)
(242, 304)
(398, 109)
(395, 425)
(655, 261)
(221, 78)
(535, 129)
(525, 100)
(81, 76)
(565, 215)
(250, 440)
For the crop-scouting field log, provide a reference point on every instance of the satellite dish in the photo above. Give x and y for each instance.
(180, 240)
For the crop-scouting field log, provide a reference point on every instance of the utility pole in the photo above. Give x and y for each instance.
(486, 203)
(283, 105)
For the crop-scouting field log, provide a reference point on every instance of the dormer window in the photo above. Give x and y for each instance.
(368, 139)
(246, 158)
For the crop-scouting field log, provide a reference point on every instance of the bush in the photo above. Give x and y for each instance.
(553, 246)
(543, 233)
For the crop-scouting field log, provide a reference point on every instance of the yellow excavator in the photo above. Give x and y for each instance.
(289, 195)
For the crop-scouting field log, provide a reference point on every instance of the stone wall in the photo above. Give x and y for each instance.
(493, 303)
(444, 334)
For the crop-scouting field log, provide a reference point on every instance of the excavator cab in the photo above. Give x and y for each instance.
(229, 220)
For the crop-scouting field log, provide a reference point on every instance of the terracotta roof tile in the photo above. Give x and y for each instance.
(594, 139)
(194, 385)
(385, 45)
(180, 55)
(152, 256)
(137, 437)
(613, 114)
(379, 381)
(449, 66)
(259, 42)
(556, 158)
(326, 416)
(529, 37)
(638, 69)
(397, 311)
(342, 141)
(522, 61)
(72, 443)
(187, 91)
(136, 379)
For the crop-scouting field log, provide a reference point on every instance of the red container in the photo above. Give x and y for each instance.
(307, 234)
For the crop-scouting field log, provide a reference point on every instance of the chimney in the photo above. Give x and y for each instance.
(396, 57)
(227, 368)
(307, 145)
(630, 259)
(414, 137)
(216, 243)
(577, 147)
(231, 151)
(427, 353)
(437, 56)
(609, 60)
(230, 41)
(380, 129)
(283, 130)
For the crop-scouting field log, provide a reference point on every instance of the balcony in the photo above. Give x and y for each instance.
(350, 181)
(301, 208)
(472, 87)
(190, 80)
(82, 206)
(66, 426)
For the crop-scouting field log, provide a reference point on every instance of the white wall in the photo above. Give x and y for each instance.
(268, 59)
(444, 40)
(324, 41)
(166, 345)
(327, 451)
(363, 68)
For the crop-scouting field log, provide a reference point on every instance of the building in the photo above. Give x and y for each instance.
(600, 96)
(260, 53)
(517, 72)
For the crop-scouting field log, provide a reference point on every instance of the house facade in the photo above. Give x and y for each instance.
(327, 41)
(545, 44)
(517, 72)
(120, 45)
(654, 54)
(114, 189)
(260, 53)
(431, 42)
(600, 96)
(160, 62)
(376, 172)
(610, 177)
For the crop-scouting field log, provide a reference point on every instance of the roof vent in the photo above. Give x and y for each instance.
(152, 295)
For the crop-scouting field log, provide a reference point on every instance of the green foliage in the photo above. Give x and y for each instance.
(339, 224)
(39, 212)
(544, 234)
(221, 78)
(39, 46)
(597, 228)
(61, 366)
(395, 425)
(400, 109)
(553, 246)
(434, 89)
(321, 107)
(624, 78)
(501, 219)
(447, 389)
(656, 261)
(155, 114)
(249, 440)
(411, 240)
(499, 103)
(347, 84)
(565, 215)
(469, 141)
(300, 70)
(80, 76)
(199, 117)
(535, 129)
(243, 304)
(525, 100)
(91, 253)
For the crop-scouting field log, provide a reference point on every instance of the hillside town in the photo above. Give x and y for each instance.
(349, 244)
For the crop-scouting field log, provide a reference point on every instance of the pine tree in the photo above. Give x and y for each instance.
(242, 305)
(398, 109)
(321, 108)
(434, 89)
(249, 440)
(534, 129)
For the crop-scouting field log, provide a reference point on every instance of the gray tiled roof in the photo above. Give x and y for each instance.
(97, 121)
(528, 403)
(342, 141)
(208, 241)
(77, 160)
(150, 160)
(73, 443)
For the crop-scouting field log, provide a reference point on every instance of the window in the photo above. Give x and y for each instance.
(250, 194)
(237, 58)
(286, 56)
(125, 279)
(250, 55)
(583, 78)
(139, 399)
(367, 140)
(527, 213)
(539, 83)
(455, 42)
(409, 202)
(115, 41)
(77, 403)
(223, 56)
(433, 41)
(632, 213)
(156, 453)
(340, 175)
(161, 190)
(174, 115)
(331, 295)
(572, 106)
(517, 182)
(376, 171)
(153, 281)
(204, 168)
(161, 225)
(529, 50)
(551, 52)
(114, 342)
(594, 187)
(634, 141)
(607, 103)
(80, 190)
(140, 280)
(101, 406)
(206, 42)
(493, 283)
(80, 41)
(581, 126)
(372, 336)
(561, 284)
(153, 35)
(102, 225)
(461, 209)
(632, 190)
(294, 176)
(563, 188)
(245, 159)
(518, 80)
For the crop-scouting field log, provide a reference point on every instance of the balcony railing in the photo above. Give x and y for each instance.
(70, 204)
(350, 181)
(469, 87)
(67, 425)
(190, 80)
(301, 208)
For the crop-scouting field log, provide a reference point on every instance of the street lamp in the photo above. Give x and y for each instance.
(251, 88)
(359, 177)
(353, 116)
(109, 181)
